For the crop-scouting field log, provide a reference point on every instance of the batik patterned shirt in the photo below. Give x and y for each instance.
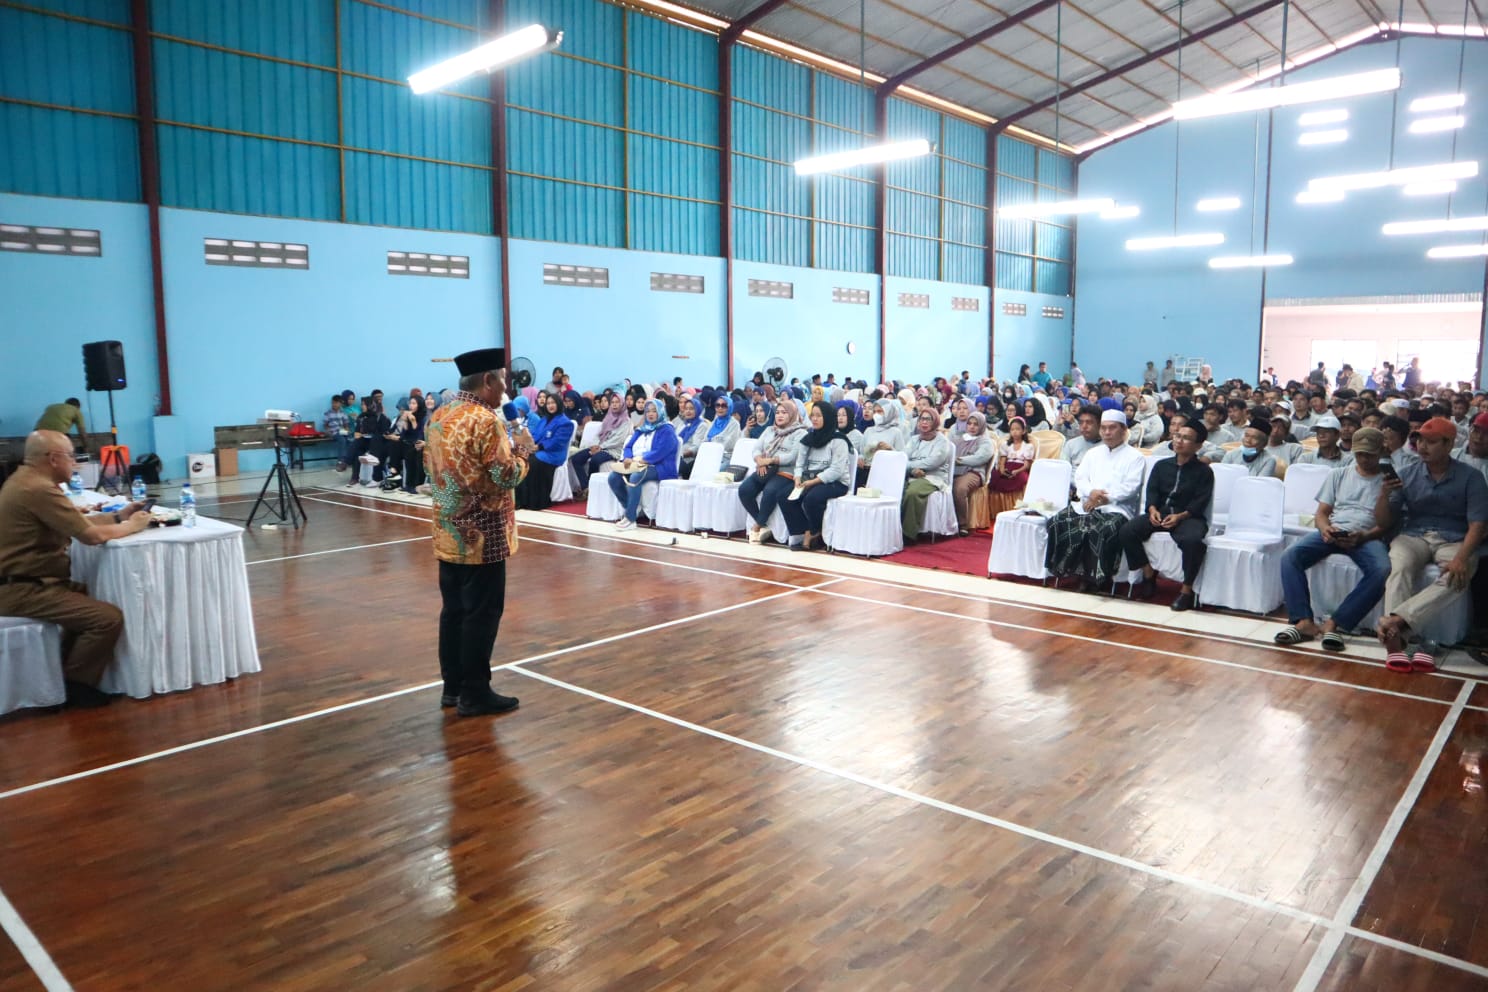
(472, 474)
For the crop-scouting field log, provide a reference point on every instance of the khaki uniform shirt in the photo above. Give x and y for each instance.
(60, 417)
(37, 525)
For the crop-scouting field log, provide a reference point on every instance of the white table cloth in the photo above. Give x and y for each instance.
(187, 616)
(30, 664)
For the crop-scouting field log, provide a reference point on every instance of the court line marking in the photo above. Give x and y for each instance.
(967, 597)
(1178, 878)
(1343, 919)
(337, 551)
(393, 694)
(30, 947)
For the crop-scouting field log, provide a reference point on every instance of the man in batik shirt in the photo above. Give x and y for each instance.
(473, 469)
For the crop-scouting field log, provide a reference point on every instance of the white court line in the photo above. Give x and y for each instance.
(1198, 884)
(25, 941)
(337, 551)
(354, 704)
(1344, 918)
(996, 623)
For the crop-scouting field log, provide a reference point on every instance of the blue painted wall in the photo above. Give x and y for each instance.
(809, 331)
(1033, 338)
(51, 306)
(923, 344)
(246, 340)
(598, 335)
(1173, 303)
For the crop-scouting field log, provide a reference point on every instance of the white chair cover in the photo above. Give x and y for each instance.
(1333, 578)
(1242, 570)
(602, 504)
(30, 664)
(1020, 538)
(1302, 484)
(675, 497)
(859, 525)
(715, 505)
(1225, 477)
(184, 593)
(587, 440)
(562, 488)
(940, 511)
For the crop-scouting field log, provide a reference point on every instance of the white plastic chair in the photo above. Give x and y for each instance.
(1332, 579)
(715, 505)
(1225, 477)
(1020, 537)
(1302, 484)
(1242, 570)
(674, 499)
(30, 664)
(587, 440)
(562, 489)
(940, 511)
(862, 525)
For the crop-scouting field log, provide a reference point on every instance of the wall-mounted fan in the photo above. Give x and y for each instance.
(777, 373)
(523, 373)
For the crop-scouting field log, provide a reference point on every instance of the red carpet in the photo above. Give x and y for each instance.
(574, 506)
(967, 555)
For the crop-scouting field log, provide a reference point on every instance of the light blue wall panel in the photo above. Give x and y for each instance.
(771, 81)
(391, 45)
(203, 170)
(548, 146)
(966, 225)
(51, 159)
(234, 330)
(760, 237)
(666, 225)
(849, 249)
(1055, 170)
(910, 213)
(917, 258)
(201, 86)
(923, 344)
(288, 29)
(459, 11)
(397, 192)
(810, 331)
(768, 186)
(1016, 158)
(1014, 271)
(1015, 236)
(50, 60)
(1051, 240)
(658, 166)
(394, 119)
(52, 306)
(770, 135)
(1051, 278)
(964, 265)
(673, 111)
(843, 104)
(1033, 338)
(543, 210)
(600, 336)
(590, 29)
(671, 51)
(965, 183)
(569, 87)
(844, 198)
(112, 11)
(965, 141)
(1011, 191)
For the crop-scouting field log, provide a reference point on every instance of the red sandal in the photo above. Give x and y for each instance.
(1422, 662)
(1399, 661)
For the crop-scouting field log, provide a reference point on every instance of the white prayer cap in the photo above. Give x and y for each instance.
(1114, 417)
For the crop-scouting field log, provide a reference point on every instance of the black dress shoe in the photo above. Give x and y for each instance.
(448, 699)
(484, 702)
(1086, 585)
(86, 696)
(1145, 589)
(1185, 601)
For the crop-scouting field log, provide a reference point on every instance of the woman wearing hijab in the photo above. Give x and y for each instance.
(410, 428)
(1011, 475)
(929, 469)
(883, 435)
(724, 429)
(823, 465)
(549, 453)
(760, 420)
(650, 456)
(1034, 416)
(975, 451)
(614, 431)
(577, 408)
(773, 477)
(956, 416)
(1147, 429)
(847, 423)
(1024, 374)
(691, 430)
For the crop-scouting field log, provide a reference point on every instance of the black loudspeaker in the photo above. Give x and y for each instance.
(103, 362)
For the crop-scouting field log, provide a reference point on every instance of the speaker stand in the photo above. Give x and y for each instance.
(113, 459)
(285, 504)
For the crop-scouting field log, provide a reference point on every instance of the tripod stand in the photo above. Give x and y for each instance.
(113, 458)
(286, 504)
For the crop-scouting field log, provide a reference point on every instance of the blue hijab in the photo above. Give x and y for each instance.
(758, 429)
(645, 426)
(690, 426)
(720, 423)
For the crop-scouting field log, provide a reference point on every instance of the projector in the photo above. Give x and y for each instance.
(279, 415)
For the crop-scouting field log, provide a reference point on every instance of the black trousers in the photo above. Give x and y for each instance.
(808, 512)
(474, 598)
(1189, 536)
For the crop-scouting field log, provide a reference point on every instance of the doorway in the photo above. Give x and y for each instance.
(1445, 336)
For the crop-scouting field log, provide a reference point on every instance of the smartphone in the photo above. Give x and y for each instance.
(149, 505)
(1388, 471)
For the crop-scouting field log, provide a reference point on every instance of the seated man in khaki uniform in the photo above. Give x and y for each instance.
(37, 525)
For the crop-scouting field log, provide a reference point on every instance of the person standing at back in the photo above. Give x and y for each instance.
(473, 471)
(63, 417)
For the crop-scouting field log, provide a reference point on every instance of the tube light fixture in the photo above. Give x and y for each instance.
(1428, 125)
(1330, 137)
(1316, 117)
(1457, 251)
(1436, 226)
(1249, 261)
(1121, 213)
(1215, 204)
(1320, 196)
(493, 54)
(1175, 241)
(1396, 177)
(1336, 87)
(1430, 189)
(1442, 101)
(891, 151)
(1057, 208)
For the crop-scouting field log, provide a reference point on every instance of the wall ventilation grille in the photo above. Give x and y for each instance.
(917, 301)
(846, 294)
(418, 263)
(256, 254)
(1015, 309)
(672, 282)
(50, 240)
(772, 289)
(585, 276)
(1055, 313)
(966, 304)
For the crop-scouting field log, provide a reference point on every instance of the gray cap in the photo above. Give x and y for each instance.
(1327, 422)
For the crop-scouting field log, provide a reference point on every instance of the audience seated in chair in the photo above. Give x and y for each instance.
(410, 431)
(975, 453)
(1329, 431)
(615, 430)
(1252, 452)
(1084, 538)
(650, 456)
(369, 441)
(929, 471)
(1010, 476)
(1179, 492)
(823, 471)
(884, 435)
(773, 477)
(549, 452)
(337, 424)
(724, 428)
(692, 430)
(1087, 424)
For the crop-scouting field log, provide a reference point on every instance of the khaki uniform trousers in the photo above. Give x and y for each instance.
(90, 628)
(1408, 555)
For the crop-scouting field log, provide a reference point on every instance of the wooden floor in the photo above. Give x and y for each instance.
(737, 774)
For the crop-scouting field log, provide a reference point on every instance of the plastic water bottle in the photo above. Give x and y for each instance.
(137, 491)
(188, 506)
(75, 484)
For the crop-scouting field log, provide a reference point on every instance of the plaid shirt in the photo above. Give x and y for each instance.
(472, 472)
(336, 421)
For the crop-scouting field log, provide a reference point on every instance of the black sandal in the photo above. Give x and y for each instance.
(1333, 641)
(1291, 635)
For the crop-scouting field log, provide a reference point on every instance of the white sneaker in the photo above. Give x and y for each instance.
(756, 535)
(624, 524)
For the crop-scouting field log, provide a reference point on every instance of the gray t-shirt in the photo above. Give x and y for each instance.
(1352, 497)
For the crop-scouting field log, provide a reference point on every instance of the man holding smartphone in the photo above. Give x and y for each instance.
(1346, 525)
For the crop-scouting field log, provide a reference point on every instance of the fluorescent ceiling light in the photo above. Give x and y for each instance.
(868, 155)
(493, 54)
(1214, 204)
(1396, 177)
(1330, 137)
(1175, 241)
(1336, 87)
(1056, 208)
(1249, 261)
(1436, 226)
(1316, 117)
(1121, 213)
(1320, 196)
(1430, 189)
(1457, 251)
(1442, 101)
(1426, 125)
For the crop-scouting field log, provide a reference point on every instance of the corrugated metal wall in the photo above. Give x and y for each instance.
(300, 108)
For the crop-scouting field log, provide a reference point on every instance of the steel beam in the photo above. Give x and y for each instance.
(880, 233)
(733, 32)
(149, 162)
(989, 237)
(500, 206)
(970, 42)
(726, 196)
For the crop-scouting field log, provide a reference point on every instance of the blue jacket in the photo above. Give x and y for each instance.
(553, 439)
(662, 455)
